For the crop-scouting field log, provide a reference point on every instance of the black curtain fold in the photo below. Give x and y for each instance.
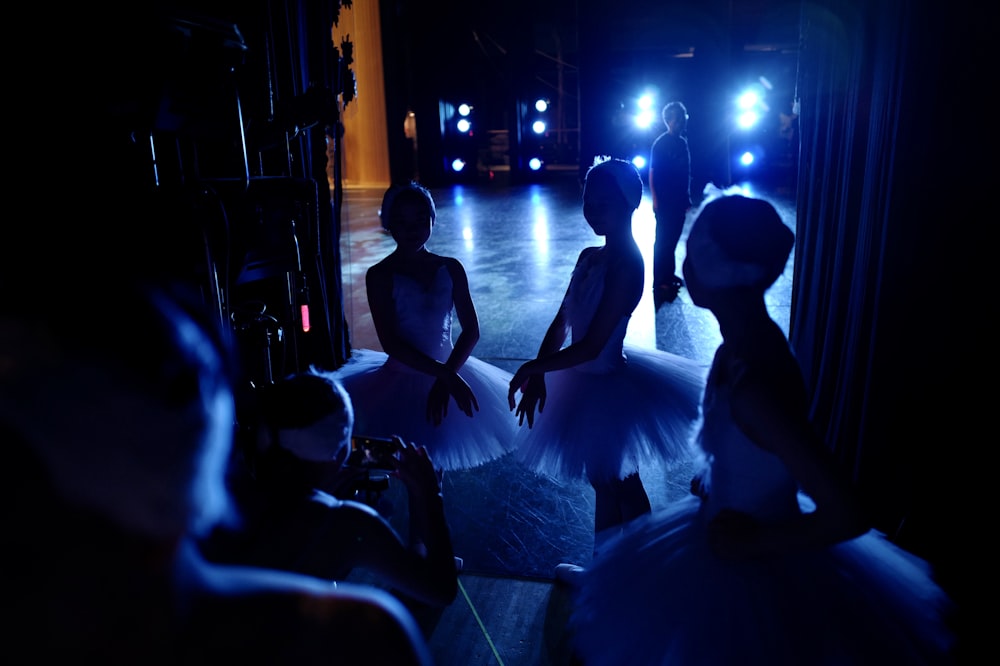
(892, 284)
(829, 301)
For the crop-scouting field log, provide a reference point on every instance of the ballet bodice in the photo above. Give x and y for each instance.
(585, 289)
(743, 476)
(425, 315)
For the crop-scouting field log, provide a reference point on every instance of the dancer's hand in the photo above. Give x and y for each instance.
(517, 383)
(437, 402)
(441, 393)
(533, 396)
(699, 488)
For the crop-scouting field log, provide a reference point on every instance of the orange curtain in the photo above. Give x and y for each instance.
(365, 150)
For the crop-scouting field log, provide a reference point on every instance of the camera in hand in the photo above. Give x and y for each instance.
(373, 453)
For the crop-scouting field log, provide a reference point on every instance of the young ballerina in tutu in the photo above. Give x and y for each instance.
(407, 389)
(771, 560)
(602, 407)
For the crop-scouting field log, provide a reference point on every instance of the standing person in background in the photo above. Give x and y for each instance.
(771, 560)
(424, 387)
(670, 188)
(604, 408)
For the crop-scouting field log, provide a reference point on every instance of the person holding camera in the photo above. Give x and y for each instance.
(116, 457)
(291, 496)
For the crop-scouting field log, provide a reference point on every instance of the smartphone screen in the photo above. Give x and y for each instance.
(373, 452)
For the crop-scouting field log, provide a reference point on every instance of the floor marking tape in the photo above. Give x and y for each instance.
(480, 623)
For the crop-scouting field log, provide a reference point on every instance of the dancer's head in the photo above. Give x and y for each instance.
(308, 414)
(408, 213)
(299, 431)
(611, 193)
(736, 242)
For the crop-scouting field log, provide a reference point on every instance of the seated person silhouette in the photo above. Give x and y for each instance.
(292, 497)
(119, 450)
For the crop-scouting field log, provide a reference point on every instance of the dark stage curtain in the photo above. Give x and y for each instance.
(890, 287)
(852, 71)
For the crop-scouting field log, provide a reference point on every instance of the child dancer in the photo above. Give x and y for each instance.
(751, 571)
(407, 389)
(601, 407)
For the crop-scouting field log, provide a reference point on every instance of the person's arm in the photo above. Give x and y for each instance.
(652, 190)
(532, 386)
(358, 537)
(618, 299)
(358, 623)
(465, 310)
(781, 426)
(653, 161)
(444, 389)
(430, 536)
(687, 175)
(378, 283)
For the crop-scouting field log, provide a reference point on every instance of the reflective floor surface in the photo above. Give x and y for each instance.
(519, 244)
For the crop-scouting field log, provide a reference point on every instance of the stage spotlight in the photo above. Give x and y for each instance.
(748, 100)
(644, 119)
(751, 107)
(535, 144)
(459, 147)
(646, 115)
(747, 119)
(748, 159)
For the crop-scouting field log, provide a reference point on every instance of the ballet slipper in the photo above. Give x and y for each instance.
(569, 573)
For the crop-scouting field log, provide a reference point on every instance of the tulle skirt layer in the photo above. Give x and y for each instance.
(657, 595)
(605, 424)
(391, 399)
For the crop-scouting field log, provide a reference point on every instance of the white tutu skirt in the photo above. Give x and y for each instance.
(604, 425)
(390, 398)
(657, 595)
